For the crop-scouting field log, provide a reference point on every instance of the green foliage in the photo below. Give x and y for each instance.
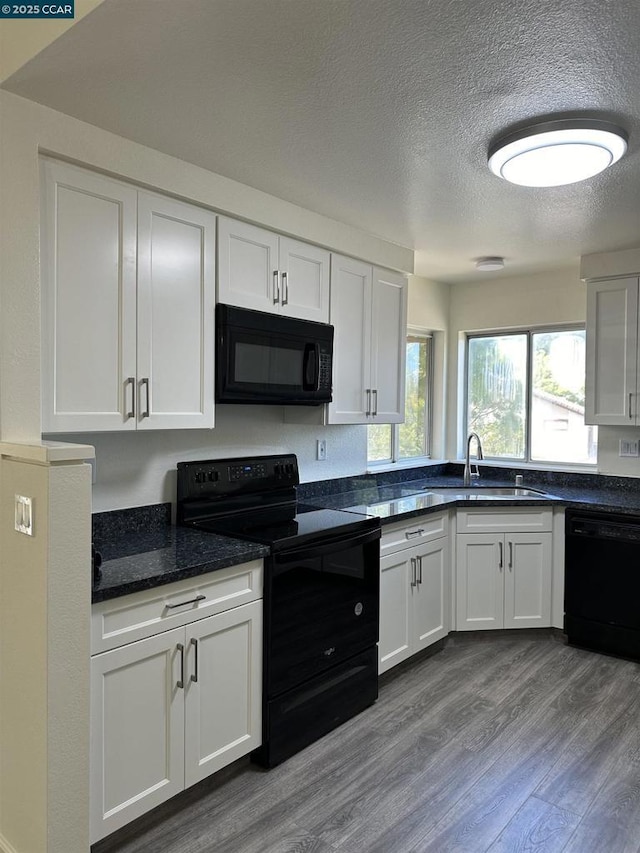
(496, 394)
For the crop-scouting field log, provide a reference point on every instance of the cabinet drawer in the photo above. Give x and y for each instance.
(504, 520)
(423, 529)
(143, 614)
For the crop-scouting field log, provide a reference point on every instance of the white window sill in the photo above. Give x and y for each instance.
(375, 467)
(531, 466)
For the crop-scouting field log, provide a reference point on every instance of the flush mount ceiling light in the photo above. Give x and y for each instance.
(554, 153)
(489, 264)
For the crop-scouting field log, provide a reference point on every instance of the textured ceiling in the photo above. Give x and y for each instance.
(377, 113)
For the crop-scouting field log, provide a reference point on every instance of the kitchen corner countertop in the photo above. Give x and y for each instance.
(141, 549)
(400, 501)
(144, 559)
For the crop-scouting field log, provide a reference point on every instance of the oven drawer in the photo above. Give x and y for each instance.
(313, 709)
(405, 535)
(123, 620)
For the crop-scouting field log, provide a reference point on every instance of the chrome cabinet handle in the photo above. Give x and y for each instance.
(420, 565)
(368, 412)
(131, 380)
(501, 563)
(414, 582)
(183, 603)
(375, 402)
(194, 643)
(510, 555)
(630, 400)
(145, 383)
(276, 287)
(410, 533)
(285, 288)
(180, 682)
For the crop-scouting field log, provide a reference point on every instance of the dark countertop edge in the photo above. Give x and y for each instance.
(592, 503)
(454, 503)
(253, 552)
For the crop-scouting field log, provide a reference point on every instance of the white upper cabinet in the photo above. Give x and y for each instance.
(257, 269)
(612, 354)
(388, 344)
(351, 287)
(369, 313)
(176, 271)
(88, 270)
(127, 306)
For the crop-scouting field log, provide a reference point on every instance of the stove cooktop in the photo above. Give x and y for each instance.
(306, 525)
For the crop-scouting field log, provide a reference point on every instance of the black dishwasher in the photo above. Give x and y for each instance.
(602, 582)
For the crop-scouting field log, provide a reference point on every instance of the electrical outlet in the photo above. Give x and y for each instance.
(24, 515)
(628, 448)
(321, 449)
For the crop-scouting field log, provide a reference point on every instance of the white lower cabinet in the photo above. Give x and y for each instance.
(414, 589)
(503, 580)
(171, 709)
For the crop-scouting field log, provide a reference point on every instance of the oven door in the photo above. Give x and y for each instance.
(321, 608)
(263, 358)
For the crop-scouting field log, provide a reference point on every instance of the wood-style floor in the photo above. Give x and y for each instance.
(499, 743)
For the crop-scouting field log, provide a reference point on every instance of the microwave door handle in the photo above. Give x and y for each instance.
(311, 359)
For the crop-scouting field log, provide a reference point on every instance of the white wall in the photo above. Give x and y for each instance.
(135, 469)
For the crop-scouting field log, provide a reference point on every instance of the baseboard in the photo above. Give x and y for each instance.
(5, 847)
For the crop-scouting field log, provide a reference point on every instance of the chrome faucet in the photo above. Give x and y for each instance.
(470, 475)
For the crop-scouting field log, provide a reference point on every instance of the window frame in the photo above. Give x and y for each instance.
(413, 333)
(528, 332)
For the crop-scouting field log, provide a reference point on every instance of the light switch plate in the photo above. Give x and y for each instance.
(628, 448)
(321, 449)
(24, 515)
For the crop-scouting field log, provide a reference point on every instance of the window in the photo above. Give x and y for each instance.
(410, 440)
(525, 396)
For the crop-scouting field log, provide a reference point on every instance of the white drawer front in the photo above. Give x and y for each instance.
(422, 529)
(142, 614)
(504, 520)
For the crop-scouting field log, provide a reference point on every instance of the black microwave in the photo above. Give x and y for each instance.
(270, 359)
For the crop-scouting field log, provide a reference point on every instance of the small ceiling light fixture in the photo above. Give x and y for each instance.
(489, 264)
(558, 152)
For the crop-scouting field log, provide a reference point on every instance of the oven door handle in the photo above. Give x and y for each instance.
(332, 546)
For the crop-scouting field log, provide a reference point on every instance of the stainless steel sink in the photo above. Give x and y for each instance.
(482, 492)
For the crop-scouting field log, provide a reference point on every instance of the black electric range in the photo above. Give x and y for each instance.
(321, 593)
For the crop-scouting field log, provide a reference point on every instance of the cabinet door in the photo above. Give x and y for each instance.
(479, 581)
(612, 352)
(527, 580)
(248, 266)
(396, 575)
(388, 346)
(223, 689)
(304, 280)
(176, 297)
(351, 283)
(88, 264)
(430, 598)
(137, 730)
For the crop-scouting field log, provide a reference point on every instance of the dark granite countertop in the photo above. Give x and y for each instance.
(403, 500)
(141, 549)
(134, 559)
